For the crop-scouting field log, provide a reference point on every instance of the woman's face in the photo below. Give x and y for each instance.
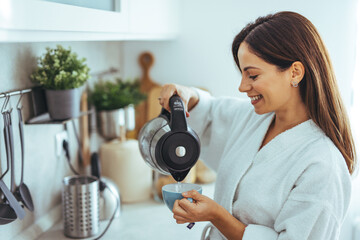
(268, 88)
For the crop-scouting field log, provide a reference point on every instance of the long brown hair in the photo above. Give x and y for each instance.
(285, 37)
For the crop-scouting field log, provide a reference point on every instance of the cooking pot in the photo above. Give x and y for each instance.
(167, 144)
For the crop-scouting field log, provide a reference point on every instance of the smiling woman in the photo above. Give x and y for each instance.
(269, 88)
(298, 43)
(284, 161)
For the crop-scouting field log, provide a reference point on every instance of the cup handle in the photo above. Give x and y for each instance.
(190, 225)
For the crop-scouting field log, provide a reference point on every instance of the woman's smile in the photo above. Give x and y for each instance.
(256, 99)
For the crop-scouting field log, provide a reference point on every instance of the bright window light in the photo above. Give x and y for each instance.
(355, 107)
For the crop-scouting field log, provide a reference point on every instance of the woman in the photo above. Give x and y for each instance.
(284, 163)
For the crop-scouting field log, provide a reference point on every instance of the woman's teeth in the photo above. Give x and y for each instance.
(256, 97)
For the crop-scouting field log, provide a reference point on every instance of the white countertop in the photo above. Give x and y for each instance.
(144, 220)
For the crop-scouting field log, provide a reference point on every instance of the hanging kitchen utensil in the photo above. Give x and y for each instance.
(12, 153)
(11, 209)
(168, 144)
(6, 139)
(7, 213)
(20, 212)
(22, 192)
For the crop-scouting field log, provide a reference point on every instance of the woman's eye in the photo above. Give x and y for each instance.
(253, 77)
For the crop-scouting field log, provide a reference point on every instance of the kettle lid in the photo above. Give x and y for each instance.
(180, 150)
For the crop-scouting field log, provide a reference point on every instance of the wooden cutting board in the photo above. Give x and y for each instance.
(146, 61)
(153, 106)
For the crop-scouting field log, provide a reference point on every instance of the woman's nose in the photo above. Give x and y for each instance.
(245, 85)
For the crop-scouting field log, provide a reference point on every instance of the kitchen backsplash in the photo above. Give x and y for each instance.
(44, 171)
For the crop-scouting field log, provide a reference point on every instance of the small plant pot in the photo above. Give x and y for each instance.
(63, 104)
(110, 122)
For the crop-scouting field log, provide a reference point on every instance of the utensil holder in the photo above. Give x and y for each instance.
(80, 202)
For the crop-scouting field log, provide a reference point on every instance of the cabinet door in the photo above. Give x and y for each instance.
(153, 19)
(30, 18)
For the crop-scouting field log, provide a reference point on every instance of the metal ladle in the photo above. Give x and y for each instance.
(20, 212)
(22, 192)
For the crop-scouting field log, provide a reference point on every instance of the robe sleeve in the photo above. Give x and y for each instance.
(315, 208)
(212, 120)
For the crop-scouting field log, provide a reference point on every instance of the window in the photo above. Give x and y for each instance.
(355, 106)
(107, 5)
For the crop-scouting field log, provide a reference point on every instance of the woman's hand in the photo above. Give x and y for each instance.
(206, 209)
(187, 94)
(201, 209)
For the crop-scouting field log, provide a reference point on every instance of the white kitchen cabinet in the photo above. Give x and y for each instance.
(153, 19)
(40, 20)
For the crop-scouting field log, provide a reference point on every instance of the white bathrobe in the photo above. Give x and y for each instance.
(295, 187)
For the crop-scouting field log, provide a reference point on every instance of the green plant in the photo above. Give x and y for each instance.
(109, 95)
(60, 69)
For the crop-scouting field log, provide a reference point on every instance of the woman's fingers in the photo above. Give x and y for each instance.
(180, 215)
(193, 194)
(178, 210)
(184, 96)
(186, 205)
(180, 220)
(168, 90)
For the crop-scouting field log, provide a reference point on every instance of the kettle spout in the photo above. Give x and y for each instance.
(179, 175)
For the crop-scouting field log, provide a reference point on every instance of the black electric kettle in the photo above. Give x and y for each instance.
(168, 144)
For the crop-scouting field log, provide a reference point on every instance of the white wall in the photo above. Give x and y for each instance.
(201, 56)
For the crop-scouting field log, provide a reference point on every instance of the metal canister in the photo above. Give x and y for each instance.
(110, 122)
(80, 202)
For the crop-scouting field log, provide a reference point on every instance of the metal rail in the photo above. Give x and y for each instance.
(12, 93)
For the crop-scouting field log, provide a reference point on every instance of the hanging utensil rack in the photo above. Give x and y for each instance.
(46, 120)
(16, 92)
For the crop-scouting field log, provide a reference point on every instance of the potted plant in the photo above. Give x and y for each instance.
(114, 102)
(61, 73)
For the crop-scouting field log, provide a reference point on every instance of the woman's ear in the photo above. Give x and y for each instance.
(297, 72)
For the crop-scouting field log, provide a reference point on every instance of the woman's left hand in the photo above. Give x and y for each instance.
(201, 209)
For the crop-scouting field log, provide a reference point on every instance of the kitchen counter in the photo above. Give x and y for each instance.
(144, 220)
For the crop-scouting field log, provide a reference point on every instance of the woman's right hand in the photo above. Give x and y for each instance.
(187, 94)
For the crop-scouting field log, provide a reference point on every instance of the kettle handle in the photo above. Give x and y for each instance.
(165, 114)
(178, 117)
